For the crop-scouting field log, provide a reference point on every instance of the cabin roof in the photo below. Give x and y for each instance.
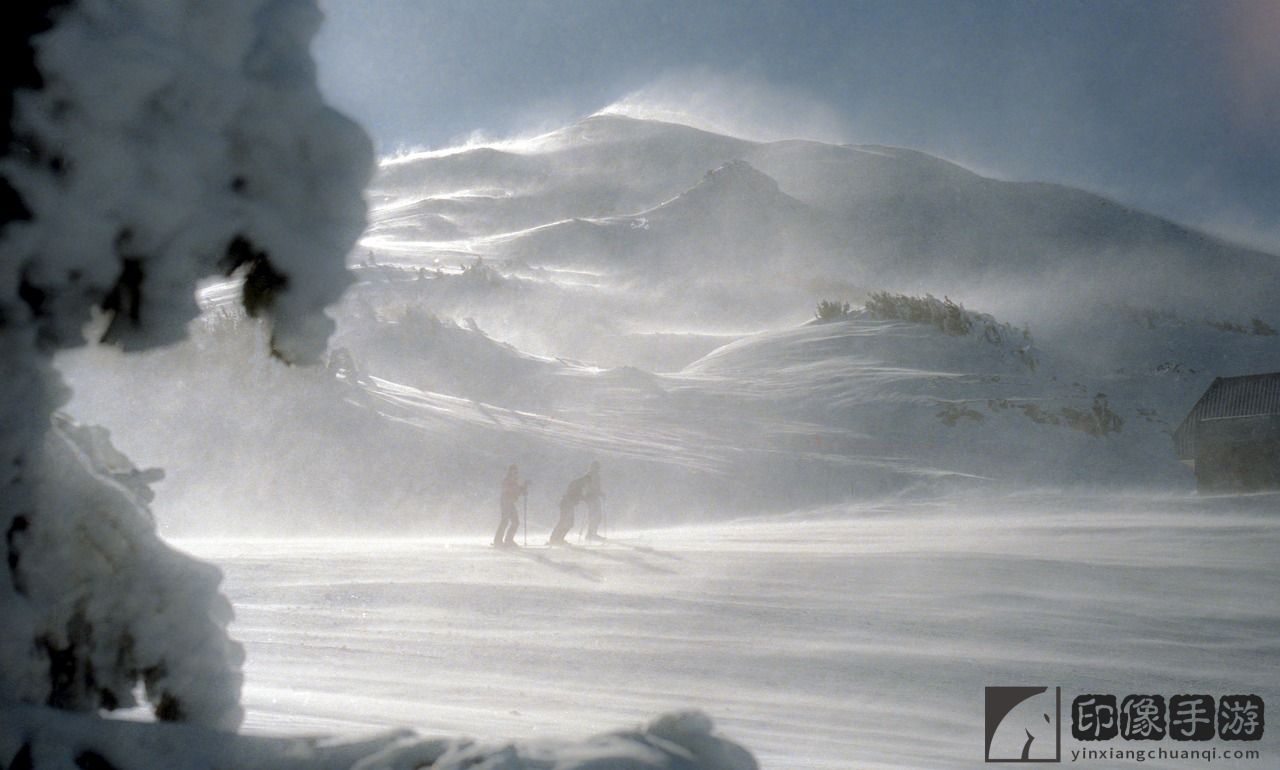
(1252, 395)
(1248, 396)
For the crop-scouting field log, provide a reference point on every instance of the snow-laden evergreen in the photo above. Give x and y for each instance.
(154, 144)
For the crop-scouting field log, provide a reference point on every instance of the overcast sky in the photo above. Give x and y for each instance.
(1169, 106)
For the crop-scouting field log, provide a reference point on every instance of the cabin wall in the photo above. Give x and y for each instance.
(1238, 454)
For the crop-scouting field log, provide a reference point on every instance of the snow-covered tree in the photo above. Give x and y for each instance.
(146, 144)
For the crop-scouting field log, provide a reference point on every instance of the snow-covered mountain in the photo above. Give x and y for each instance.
(637, 292)
(626, 193)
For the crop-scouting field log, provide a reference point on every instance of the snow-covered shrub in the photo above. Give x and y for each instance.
(948, 316)
(1099, 420)
(1256, 327)
(954, 319)
(1153, 318)
(831, 310)
(146, 145)
(479, 272)
(1227, 326)
(951, 413)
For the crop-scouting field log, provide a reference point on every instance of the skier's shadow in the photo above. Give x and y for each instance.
(649, 550)
(629, 558)
(571, 569)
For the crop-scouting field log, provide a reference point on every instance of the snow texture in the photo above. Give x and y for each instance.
(148, 144)
(858, 635)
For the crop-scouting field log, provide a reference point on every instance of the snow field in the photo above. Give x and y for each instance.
(855, 638)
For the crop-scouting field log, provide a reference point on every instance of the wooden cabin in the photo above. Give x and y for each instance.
(1231, 437)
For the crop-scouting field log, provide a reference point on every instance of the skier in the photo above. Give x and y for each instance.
(573, 495)
(512, 489)
(594, 497)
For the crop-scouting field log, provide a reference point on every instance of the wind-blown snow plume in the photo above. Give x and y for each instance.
(734, 105)
(146, 145)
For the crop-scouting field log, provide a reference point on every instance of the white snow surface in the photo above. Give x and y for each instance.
(844, 637)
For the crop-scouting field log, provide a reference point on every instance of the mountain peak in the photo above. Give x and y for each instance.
(738, 178)
(737, 185)
(739, 172)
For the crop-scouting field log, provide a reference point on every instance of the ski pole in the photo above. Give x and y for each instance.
(526, 515)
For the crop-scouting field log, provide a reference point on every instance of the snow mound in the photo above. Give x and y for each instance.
(41, 739)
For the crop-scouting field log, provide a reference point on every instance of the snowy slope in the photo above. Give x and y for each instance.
(615, 227)
(635, 291)
(601, 166)
(874, 216)
(732, 224)
(409, 438)
(851, 637)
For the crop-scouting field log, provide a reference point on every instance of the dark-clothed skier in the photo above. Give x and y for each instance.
(594, 497)
(573, 495)
(582, 489)
(512, 489)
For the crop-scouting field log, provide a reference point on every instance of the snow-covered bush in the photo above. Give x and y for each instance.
(954, 319)
(146, 145)
(948, 316)
(1257, 327)
(1099, 420)
(479, 272)
(1153, 318)
(831, 310)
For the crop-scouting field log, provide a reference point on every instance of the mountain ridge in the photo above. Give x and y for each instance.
(871, 215)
